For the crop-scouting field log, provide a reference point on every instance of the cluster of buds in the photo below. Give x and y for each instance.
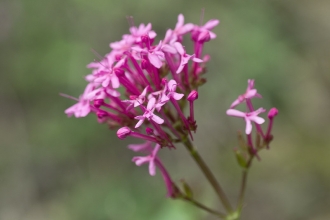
(251, 118)
(142, 84)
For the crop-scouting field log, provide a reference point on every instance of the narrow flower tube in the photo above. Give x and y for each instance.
(191, 98)
(123, 132)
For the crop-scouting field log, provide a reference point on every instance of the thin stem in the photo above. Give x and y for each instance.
(243, 184)
(208, 174)
(205, 208)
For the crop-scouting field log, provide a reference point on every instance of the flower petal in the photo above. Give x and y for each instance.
(236, 113)
(157, 119)
(248, 128)
(154, 60)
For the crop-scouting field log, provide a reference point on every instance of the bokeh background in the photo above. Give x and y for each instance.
(58, 168)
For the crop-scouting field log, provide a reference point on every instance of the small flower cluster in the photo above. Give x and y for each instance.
(153, 79)
(251, 116)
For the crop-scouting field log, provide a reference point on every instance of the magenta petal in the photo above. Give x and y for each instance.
(157, 119)
(248, 128)
(177, 96)
(180, 68)
(106, 82)
(197, 60)
(168, 35)
(180, 21)
(167, 48)
(257, 119)
(179, 48)
(139, 123)
(113, 92)
(154, 60)
(250, 93)
(152, 34)
(212, 35)
(235, 103)
(152, 168)
(186, 28)
(236, 113)
(146, 146)
(151, 104)
(140, 160)
(172, 85)
(115, 81)
(211, 24)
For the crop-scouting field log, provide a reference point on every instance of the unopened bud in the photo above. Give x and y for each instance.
(193, 96)
(98, 103)
(101, 114)
(149, 131)
(119, 72)
(272, 113)
(123, 132)
(144, 64)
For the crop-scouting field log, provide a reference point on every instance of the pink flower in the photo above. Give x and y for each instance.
(148, 159)
(148, 114)
(250, 93)
(171, 86)
(82, 108)
(204, 33)
(179, 30)
(138, 32)
(123, 45)
(154, 162)
(155, 55)
(248, 116)
(104, 73)
(137, 100)
(184, 57)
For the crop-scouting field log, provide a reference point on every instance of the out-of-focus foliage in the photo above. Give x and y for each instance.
(56, 168)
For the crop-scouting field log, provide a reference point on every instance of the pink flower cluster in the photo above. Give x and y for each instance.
(143, 83)
(251, 115)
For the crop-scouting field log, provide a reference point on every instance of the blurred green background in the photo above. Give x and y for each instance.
(56, 168)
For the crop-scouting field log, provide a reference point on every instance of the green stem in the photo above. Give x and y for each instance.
(208, 174)
(243, 184)
(201, 206)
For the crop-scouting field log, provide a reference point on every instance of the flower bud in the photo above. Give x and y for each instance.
(193, 96)
(119, 72)
(123, 132)
(144, 64)
(272, 113)
(101, 114)
(98, 103)
(149, 131)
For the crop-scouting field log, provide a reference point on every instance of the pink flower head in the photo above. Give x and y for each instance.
(82, 108)
(204, 33)
(250, 93)
(248, 116)
(148, 159)
(184, 57)
(137, 100)
(148, 114)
